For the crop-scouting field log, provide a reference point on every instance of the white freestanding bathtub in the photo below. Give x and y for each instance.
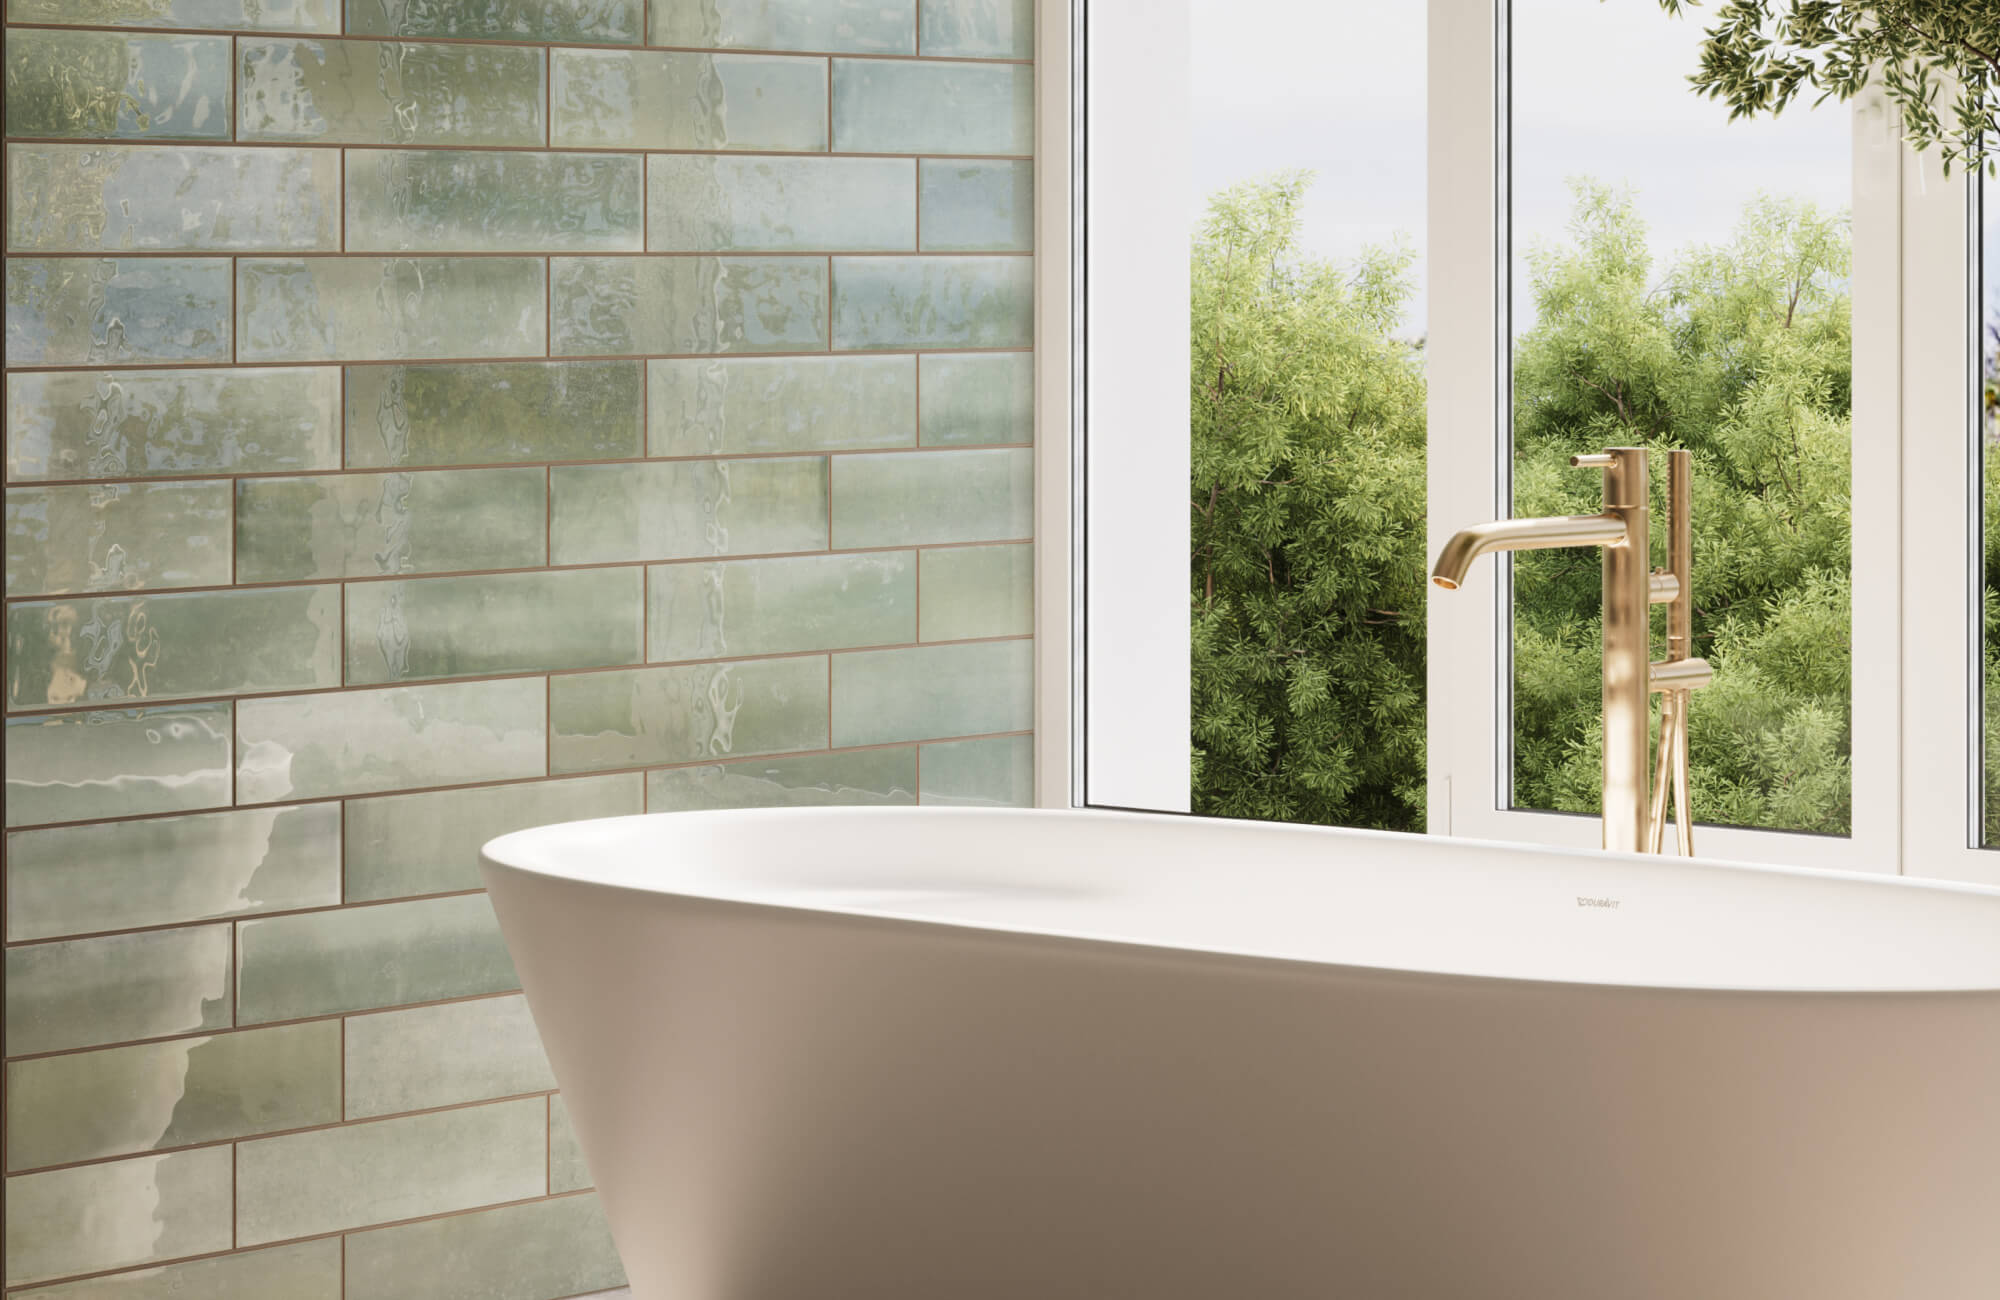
(965, 1055)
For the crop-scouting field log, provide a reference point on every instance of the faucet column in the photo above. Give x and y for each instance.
(1627, 651)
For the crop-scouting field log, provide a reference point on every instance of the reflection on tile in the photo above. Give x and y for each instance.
(768, 607)
(978, 206)
(517, 1252)
(387, 92)
(978, 591)
(978, 398)
(876, 777)
(238, 15)
(369, 525)
(389, 308)
(847, 26)
(172, 646)
(117, 1215)
(86, 992)
(499, 623)
(495, 412)
(882, 697)
(124, 763)
(567, 1170)
(400, 845)
(611, 306)
(117, 537)
(115, 84)
(687, 714)
(890, 106)
(154, 1096)
(164, 870)
(994, 773)
(933, 302)
(306, 1270)
(487, 201)
(108, 198)
(702, 407)
(655, 99)
(359, 958)
(405, 737)
(441, 1056)
(710, 205)
(306, 1183)
(584, 22)
(127, 423)
(980, 29)
(663, 511)
(933, 496)
(106, 311)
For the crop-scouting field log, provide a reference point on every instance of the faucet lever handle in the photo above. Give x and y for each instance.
(1595, 460)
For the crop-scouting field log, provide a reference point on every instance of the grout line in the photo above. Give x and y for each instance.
(520, 254)
(549, 1146)
(411, 146)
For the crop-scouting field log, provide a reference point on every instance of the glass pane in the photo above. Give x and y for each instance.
(1681, 281)
(1988, 427)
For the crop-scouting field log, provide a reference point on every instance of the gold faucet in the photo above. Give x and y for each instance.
(1634, 810)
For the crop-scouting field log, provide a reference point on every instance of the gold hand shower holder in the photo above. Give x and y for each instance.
(1680, 673)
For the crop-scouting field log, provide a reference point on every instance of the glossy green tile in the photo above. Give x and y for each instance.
(517, 1252)
(88, 992)
(567, 1170)
(586, 22)
(389, 308)
(499, 623)
(602, 514)
(123, 763)
(928, 497)
(976, 398)
(388, 92)
(980, 29)
(893, 106)
(488, 201)
(658, 99)
(369, 525)
(403, 737)
(978, 591)
(401, 845)
(155, 1096)
(172, 646)
(705, 204)
(110, 198)
(978, 206)
(117, 537)
(427, 1057)
(768, 607)
(165, 870)
(882, 697)
(874, 777)
(128, 423)
(306, 1183)
(703, 407)
(494, 412)
(107, 311)
(360, 958)
(687, 714)
(237, 15)
(610, 306)
(844, 26)
(117, 1215)
(994, 773)
(933, 302)
(115, 85)
(306, 1270)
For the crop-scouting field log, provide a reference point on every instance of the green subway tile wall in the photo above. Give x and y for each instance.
(424, 422)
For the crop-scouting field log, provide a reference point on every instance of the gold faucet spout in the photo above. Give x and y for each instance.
(1455, 560)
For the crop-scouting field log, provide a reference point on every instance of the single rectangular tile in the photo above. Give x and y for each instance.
(117, 537)
(769, 607)
(390, 308)
(703, 407)
(428, 1057)
(845, 26)
(690, 713)
(155, 1096)
(109, 198)
(115, 85)
(172, 646)
(488, 201)
(368, 525)
(407, 844)
(86, 992)
(561, 1247)
(124, 763)
(583, 22)
(702, 204)
(404, 737)
(976, 398)
(882, 697)
(978, 591)
(128, 423)
(658, 99)
(901, 498)
(107, 311)
(117, 1215)
(360, 958)
(306, 1270)
(494, 413)
(567, 1170)
(980, 29)
(166, 870)
(998, 772)
(388, 92)
(873, 777)
(892, 106)
(602, 514)
(490, 624)
(612, 306)
(978, 206)
(360, 1174)
(933, 302)
(238, 15)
